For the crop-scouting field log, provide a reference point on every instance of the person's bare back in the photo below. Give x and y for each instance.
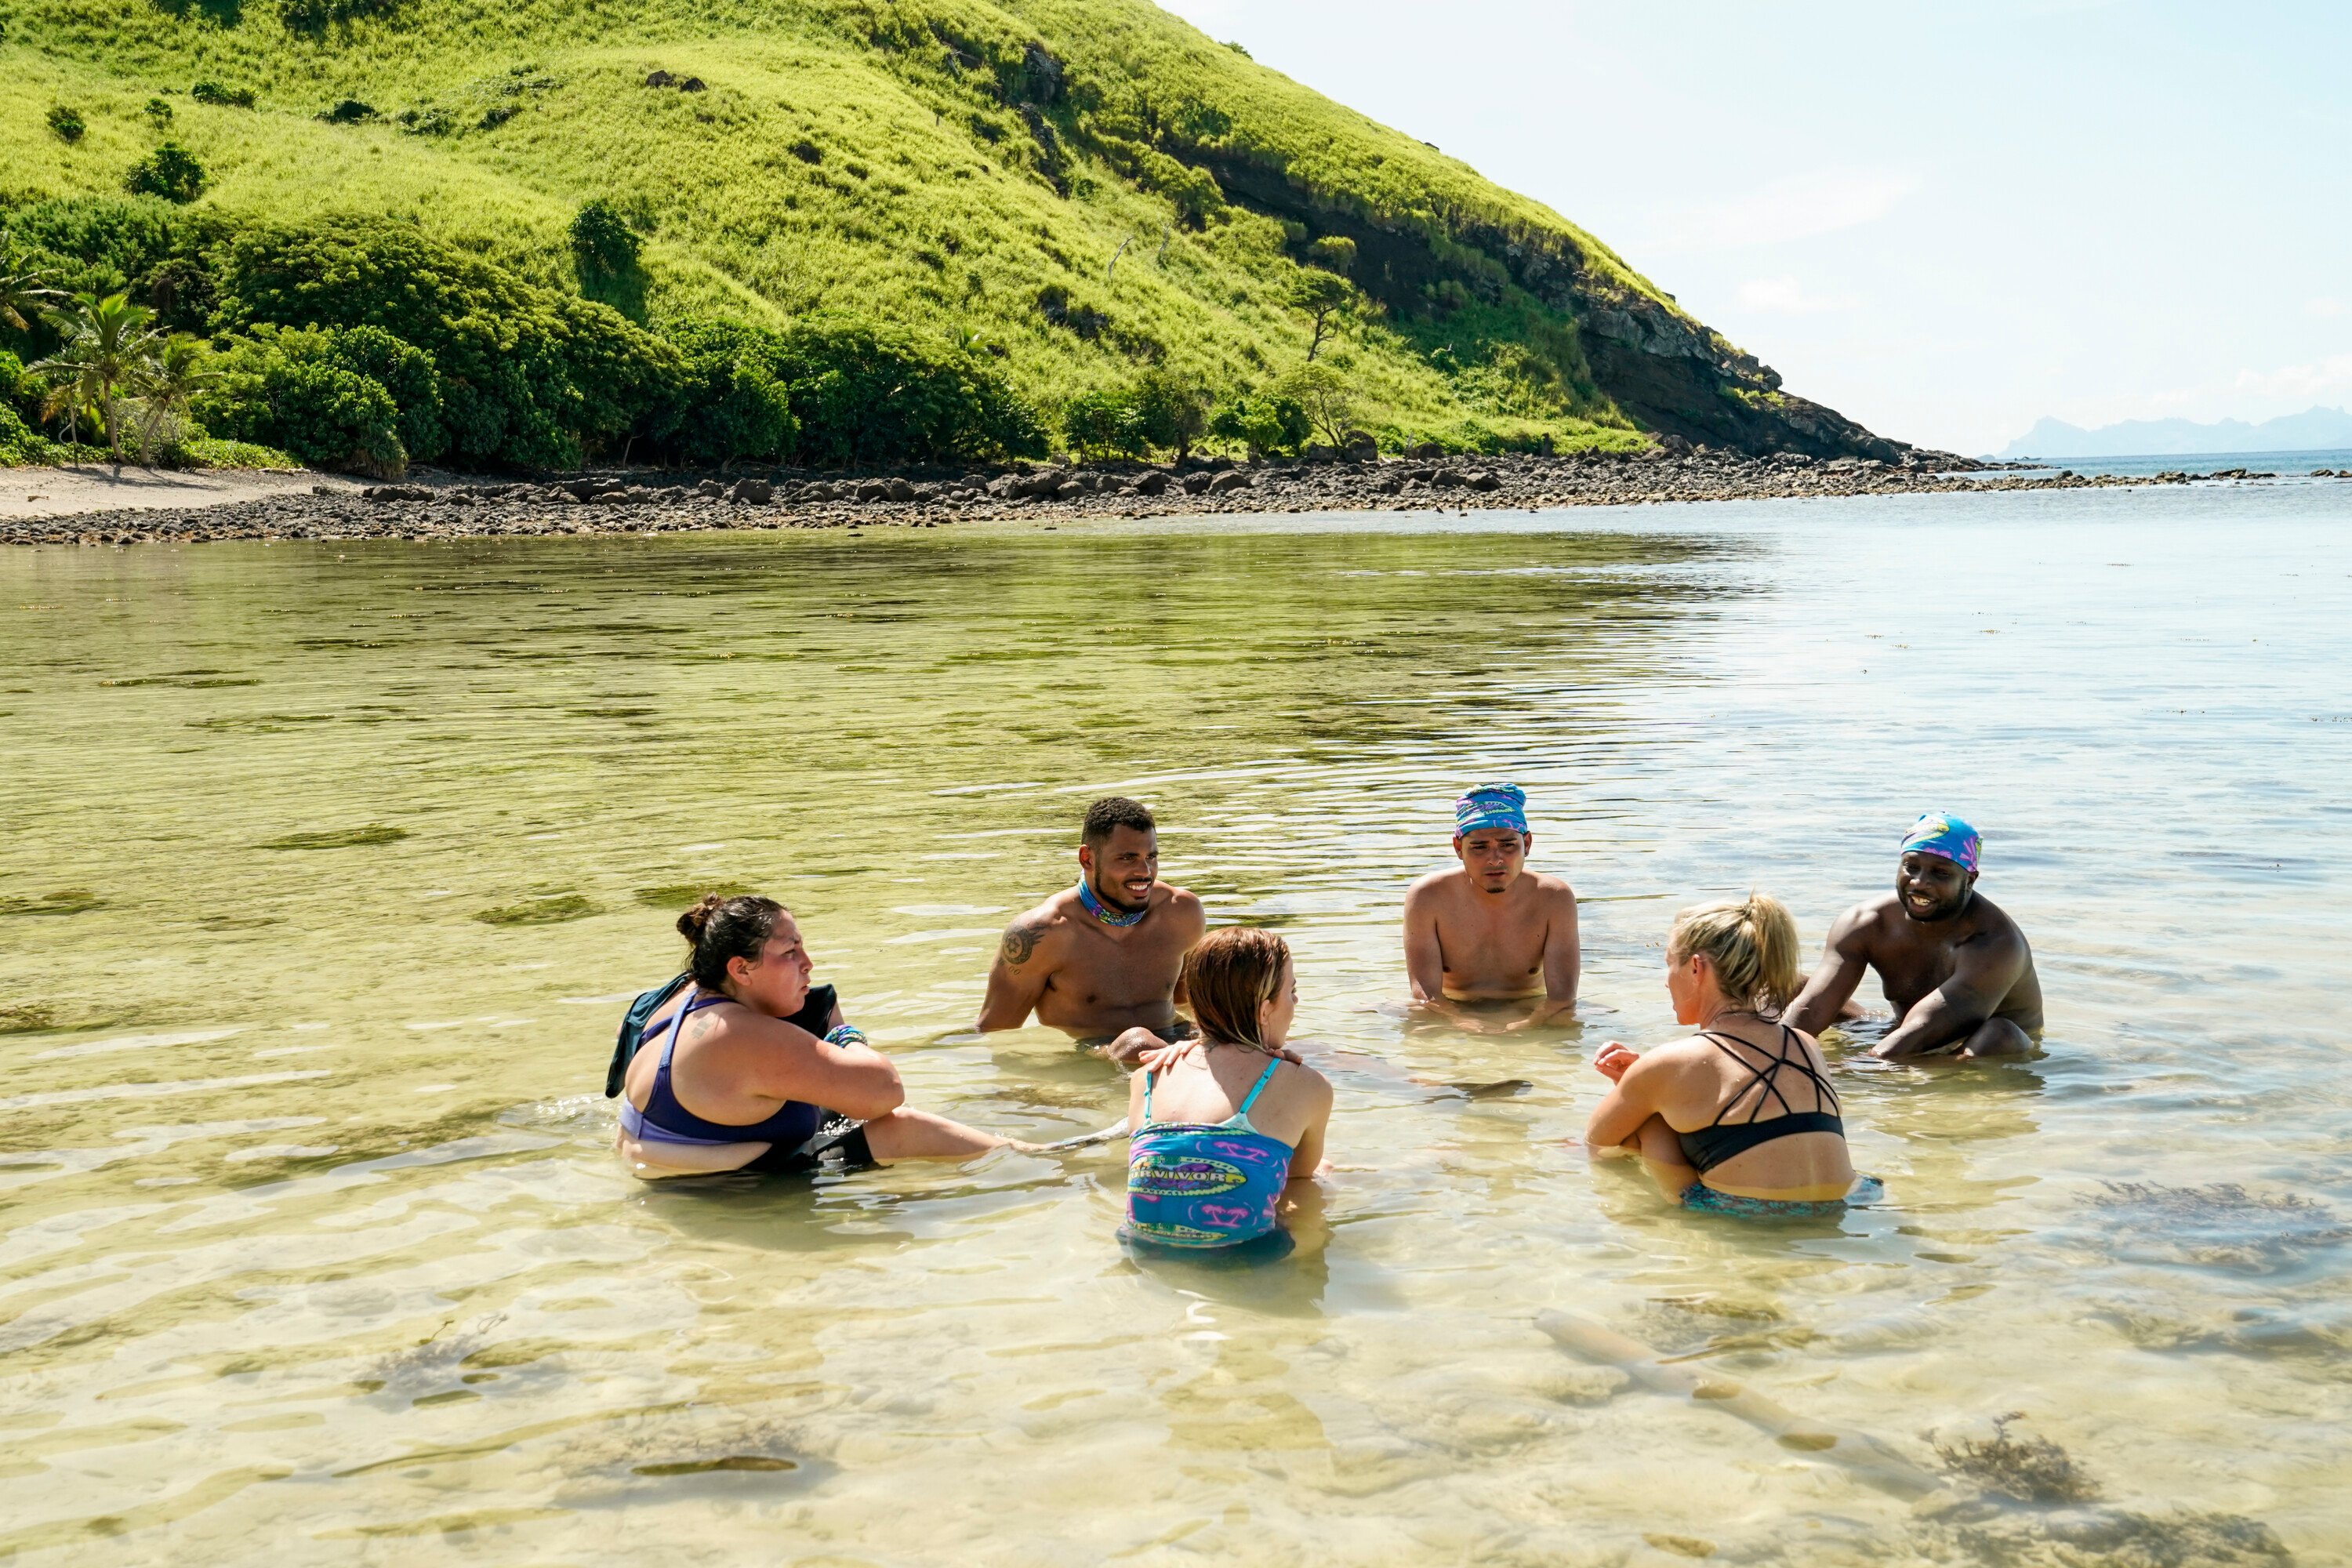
(1491, 930)
(1103, 960)
(1955, 967)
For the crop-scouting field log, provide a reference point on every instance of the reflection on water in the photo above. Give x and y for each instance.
(329, 870)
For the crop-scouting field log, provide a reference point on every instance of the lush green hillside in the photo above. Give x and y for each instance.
(1071, 191)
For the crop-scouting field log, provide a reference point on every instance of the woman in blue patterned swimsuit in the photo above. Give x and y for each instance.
(1220, 1127)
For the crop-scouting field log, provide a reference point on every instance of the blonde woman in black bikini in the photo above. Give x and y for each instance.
(1740, 1117)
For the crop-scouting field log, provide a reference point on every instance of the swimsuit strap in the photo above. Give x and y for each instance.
(1764, 1076)
(676, 1022)
(1242, 1110)
(1821, 1089)
(1259, 1087)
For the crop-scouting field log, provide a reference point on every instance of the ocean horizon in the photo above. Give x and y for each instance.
(2283, 464)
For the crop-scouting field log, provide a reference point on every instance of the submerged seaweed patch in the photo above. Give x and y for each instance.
(198, 678)
(1683, 1326)
(2221, 1226)
(702, 1466)
(2031, 1470)
(1501, 1088)
(2118, 1538)
(548, 909)
(65, 901)
(258, 723)
(2316, 1331)
(339, 839)
(678, 895)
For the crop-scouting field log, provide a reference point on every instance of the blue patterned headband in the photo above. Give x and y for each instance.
(1491, 805)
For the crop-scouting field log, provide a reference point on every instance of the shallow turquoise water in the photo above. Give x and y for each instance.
(313, 1249)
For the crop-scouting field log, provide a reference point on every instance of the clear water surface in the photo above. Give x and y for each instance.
(328, 868)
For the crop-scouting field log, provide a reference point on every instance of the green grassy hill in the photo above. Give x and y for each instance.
(1076, 188)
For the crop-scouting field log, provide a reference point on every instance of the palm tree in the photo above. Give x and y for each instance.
(22, 295)
(110, 349)
(180, 370)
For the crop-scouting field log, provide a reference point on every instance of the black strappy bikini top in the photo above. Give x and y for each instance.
(1713, 1144)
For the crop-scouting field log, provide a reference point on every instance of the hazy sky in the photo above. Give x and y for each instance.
(1942, 220)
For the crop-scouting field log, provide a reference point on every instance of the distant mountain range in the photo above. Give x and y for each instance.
(2314, 430)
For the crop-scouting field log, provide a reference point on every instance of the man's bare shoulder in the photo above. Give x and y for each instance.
(1868, 919)
(1437, 885)
(1993, 924)
(1038, 932)
(1181, 900)
(1552, 889)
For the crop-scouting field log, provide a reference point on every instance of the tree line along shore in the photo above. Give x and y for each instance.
(1081, 202)
(652, 502)
(1091, 274)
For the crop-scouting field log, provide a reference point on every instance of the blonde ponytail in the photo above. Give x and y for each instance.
(1752, 945)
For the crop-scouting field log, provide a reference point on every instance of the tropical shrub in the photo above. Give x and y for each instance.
(66, 124)
(729, 399)
(478, 366)
(1104, 423)
(528, 377)
(171, 172)
(404, 370)
(317, 15)
(322, 396)
(125, 238)
(226, 96)
(333, 417)
(19, 443)
(1324, 396)
(1262, 421)
(19, 393)
(601, 241)
(103, 244)
(20, 403)
(339, 396)
(1172, 409)
(1160, 411)
(868, 395)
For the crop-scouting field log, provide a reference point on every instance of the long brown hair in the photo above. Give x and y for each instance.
(1234, 973)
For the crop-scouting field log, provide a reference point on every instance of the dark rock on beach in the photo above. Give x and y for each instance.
(441, 506)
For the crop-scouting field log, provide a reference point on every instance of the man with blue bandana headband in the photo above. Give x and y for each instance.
(1490, 931)
(1955, 968)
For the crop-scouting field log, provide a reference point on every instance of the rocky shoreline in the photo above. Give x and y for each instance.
(450, 507)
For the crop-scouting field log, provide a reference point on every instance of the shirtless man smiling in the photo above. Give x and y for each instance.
(1102, 961)
(1492, 931)
(1956, 968)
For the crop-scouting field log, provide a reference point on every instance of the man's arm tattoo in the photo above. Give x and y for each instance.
(1020, 940)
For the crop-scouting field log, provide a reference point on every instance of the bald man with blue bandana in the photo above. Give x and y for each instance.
(1489, 933)
(1954, 966)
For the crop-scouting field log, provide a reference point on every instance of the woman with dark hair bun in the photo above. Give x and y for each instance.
(757, 1071)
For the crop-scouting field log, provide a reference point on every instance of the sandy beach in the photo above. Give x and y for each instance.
(29, 494)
